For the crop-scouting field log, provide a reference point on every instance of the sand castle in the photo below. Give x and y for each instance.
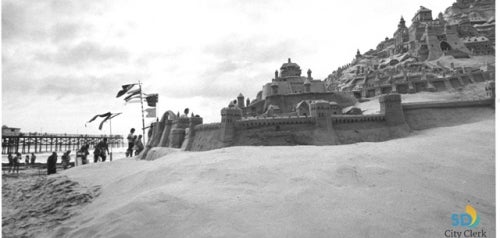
(420, 57)
(291, 111)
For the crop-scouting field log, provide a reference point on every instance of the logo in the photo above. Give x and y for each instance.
(469, 219)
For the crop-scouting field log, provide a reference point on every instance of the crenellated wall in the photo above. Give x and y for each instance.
(395, 120)
(273, 121)
(288, 102)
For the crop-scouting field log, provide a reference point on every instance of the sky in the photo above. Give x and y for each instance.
(63, 61)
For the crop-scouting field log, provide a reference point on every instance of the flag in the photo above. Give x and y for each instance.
(152, 99)
(131, 95)
(114, 115)
(99, 115)
(151, 112)
(125, 89)
(108, 118)
(134, 91)
(135, 100)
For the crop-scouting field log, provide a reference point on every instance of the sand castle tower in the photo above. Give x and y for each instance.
(178, 132)
(321, 111)
(390, 106)
(307, 86)
(241, 101)
(229, 116)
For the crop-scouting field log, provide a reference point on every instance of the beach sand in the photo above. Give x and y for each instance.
(33, 202)
(406, 187)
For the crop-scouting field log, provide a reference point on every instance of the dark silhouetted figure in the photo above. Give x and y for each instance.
(51, 164)
(33, 158)
(65, 159)
(138, 145)
(101, 149)
(131, 142)
(27, 161)
(11, 162)
(82, 153)
(17, 161)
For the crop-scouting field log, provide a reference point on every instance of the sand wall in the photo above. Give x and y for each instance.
(310, 134)
(302, 134)
(345, 129)
(421, 116)
(347, 133)
(286, 102)
(206, 139)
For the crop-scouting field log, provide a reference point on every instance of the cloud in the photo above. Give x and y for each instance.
(39, 20)
(232, 66)
(223, 67)
(255, 49)
(73, 87)
(64, 31)
(16, 22)
(220, 81)
(84, 52)
(145, 58)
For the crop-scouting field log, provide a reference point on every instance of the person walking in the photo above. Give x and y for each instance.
(82, 154)
(131, 142)
(52, 163)
(101, 149)
(65, 159)
(11, 162)
(33, 158)
(138, 145)
(27, 161)
(17, 161)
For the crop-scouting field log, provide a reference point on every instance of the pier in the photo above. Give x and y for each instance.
(41, 143)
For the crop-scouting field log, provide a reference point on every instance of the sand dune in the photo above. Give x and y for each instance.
(34, 205)
(406, 187)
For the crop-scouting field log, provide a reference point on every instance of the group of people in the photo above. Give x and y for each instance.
(134, 144)
(101, 150)
(52, 162)
(15, 161)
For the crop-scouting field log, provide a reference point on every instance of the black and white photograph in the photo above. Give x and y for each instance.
(248, 118)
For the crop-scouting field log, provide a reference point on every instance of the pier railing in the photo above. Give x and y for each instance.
(44, 142)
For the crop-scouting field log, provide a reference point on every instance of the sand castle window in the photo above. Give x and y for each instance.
(445, 46)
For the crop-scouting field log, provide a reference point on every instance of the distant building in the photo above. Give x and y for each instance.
(430, 39)
(10, 131)
(479, 45)
(289, 91)
(401, 38)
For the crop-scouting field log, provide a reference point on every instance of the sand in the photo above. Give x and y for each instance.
(32, 204)
(406, 187)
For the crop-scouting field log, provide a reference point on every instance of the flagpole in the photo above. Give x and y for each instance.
(110, 147)
(142, 113)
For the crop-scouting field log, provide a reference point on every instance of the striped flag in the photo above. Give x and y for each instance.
(125, 89)
(127, 99)
(135, 93)
(134, 100)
